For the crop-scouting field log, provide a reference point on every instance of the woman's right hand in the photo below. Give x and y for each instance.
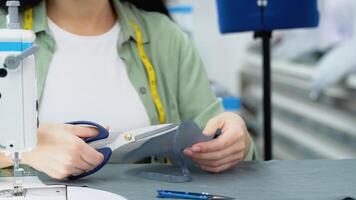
(60, 151)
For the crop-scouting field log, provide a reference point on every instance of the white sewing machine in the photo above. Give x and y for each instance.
(18, 98)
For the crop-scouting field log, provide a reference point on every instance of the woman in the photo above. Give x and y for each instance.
(89, 68)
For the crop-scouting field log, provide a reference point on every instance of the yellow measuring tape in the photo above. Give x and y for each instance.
(150, 72)
(152, 79)
(28, 19)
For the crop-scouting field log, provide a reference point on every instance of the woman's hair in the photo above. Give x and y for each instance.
(148, 5)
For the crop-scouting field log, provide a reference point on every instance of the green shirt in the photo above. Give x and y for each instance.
(182, 82)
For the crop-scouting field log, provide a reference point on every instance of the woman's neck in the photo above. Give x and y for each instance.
(82, 17)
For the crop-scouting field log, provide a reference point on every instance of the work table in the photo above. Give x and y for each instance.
(275, 180)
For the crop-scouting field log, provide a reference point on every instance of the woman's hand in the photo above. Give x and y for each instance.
(60, 151)
(5, 161)
(227, 150)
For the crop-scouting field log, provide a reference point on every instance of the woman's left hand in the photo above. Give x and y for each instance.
(225, 151)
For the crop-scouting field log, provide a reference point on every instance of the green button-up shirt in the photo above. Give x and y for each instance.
(182, 82)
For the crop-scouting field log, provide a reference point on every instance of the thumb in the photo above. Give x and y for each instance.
(212, 126)
(81, 131)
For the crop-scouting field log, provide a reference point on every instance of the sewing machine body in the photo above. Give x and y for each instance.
(18, 100)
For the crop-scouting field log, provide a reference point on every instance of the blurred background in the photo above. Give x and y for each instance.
(313, 75)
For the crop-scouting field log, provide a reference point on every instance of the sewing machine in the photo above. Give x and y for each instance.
(18, 98)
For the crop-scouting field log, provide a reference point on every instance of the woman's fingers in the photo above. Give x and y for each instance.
(216, 163)
(81, 131)
(90, 155)
(212, 125)
(218, 155)
(218, 169)
(225, 151)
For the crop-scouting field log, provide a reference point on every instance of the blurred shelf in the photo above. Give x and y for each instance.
(303, 129)
(297, 70)
(308, 145)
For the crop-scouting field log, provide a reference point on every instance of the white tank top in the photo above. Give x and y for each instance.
(87, 80)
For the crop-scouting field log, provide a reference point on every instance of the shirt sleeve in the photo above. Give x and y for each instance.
(196, 100)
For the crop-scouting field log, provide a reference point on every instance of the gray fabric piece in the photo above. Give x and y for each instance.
(275, 180)
(170, 144)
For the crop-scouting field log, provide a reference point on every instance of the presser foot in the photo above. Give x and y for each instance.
(18, 191)
(15, 192)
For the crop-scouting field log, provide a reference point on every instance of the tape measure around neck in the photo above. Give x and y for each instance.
(152, 80)
(28, 19)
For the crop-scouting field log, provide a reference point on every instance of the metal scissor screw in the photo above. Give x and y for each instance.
(128, 136)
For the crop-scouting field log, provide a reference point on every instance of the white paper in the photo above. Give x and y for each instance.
(48, 193)
(80, 193)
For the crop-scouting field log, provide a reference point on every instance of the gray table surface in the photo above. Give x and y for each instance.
(275, 180)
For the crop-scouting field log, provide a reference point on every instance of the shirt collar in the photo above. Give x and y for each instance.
(125, 14)
(40, 17)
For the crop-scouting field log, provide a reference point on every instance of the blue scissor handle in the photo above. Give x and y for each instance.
(106, 151)
(103, 133)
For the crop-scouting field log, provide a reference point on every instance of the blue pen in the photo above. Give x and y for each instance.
(190, 195)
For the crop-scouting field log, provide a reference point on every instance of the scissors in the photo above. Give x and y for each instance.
(127, 147)
(106, 151)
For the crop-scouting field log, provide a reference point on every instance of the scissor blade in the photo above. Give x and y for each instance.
(107, 142)
(159, 131)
